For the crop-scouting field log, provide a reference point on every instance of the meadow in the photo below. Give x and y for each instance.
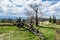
(14, 33)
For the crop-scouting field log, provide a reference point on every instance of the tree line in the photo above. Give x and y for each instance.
(7, 20)
(52, 19)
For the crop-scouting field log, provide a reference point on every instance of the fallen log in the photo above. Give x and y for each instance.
(34, 31)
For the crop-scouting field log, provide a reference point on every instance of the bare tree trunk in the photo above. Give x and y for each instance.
(36, 19)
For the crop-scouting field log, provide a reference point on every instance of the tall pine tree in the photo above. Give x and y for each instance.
(50, 19)
(54, 19)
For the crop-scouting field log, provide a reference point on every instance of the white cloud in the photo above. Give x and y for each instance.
(56, 6)
(44, 7)
(18, 2)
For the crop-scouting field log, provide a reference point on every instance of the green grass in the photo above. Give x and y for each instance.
(49, 33)
(4, 29)
(21, 35)
(11, 32)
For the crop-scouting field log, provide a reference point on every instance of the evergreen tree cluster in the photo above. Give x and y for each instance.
(53, 20)
(20, 22)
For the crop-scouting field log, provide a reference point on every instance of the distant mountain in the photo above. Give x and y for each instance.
(1, 17)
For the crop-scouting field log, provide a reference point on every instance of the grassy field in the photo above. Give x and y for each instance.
(11, 32)
(48, 31)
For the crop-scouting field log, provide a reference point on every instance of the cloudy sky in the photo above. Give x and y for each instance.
(18, 8)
